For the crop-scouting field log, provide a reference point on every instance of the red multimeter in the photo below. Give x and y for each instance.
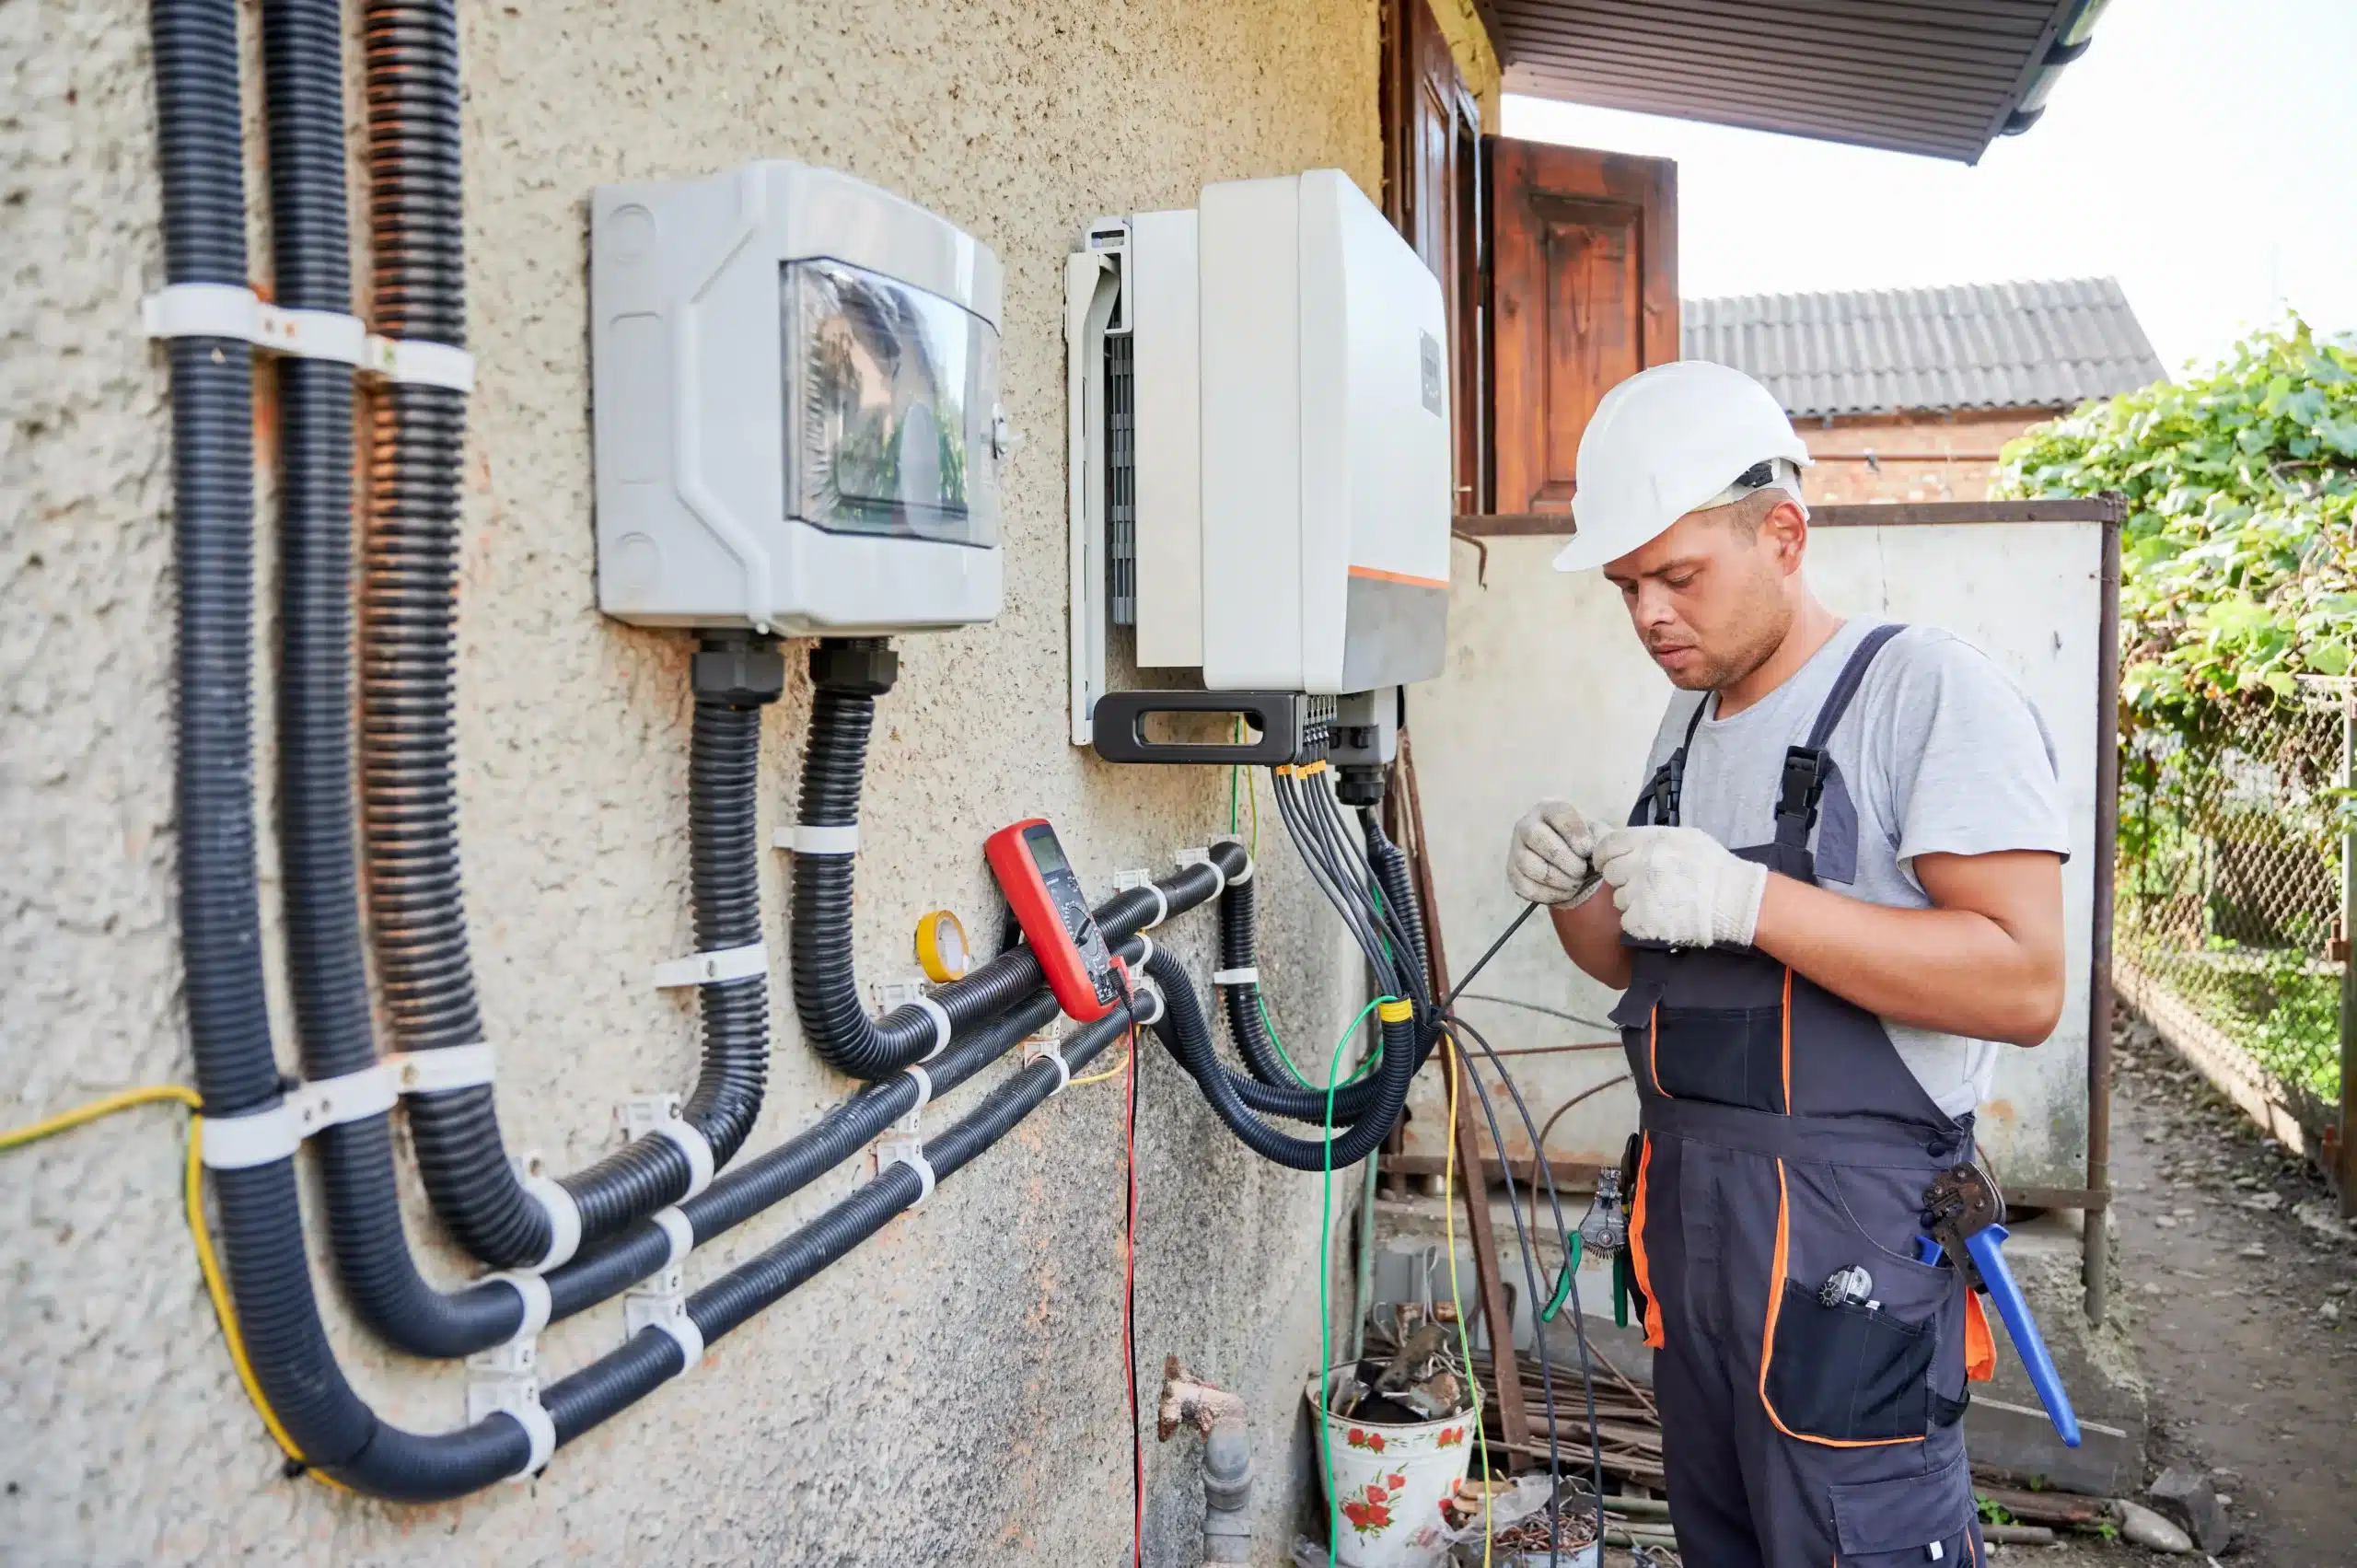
(1048, 903)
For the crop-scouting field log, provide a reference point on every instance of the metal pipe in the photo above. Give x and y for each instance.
(2094, 1263)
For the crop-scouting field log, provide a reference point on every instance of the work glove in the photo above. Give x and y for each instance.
(1680, 886)
(1547, 862)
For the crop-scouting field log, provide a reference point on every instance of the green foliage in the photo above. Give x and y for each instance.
(2242, 497)
(1992, 1511)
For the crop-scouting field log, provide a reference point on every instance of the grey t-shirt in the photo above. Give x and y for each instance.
(1940, 752)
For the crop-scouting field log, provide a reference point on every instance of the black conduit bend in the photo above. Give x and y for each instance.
(847, 675)
(408, 646)
(198, 136)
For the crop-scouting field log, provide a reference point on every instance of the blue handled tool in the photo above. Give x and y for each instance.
(1966, 1216)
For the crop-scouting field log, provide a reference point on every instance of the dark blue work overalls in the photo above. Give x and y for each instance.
(1783, 1143)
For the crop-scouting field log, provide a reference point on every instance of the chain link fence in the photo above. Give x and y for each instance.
(2229, 881)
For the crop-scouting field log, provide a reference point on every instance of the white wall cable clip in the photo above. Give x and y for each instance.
(1147, 989)
(711, 968)
(912, 1117)
(231, 311)
(1201, 855)
(505, 1381)
(539, 1305)
(413, 362)
(1145, 950)
(657, 1116)
(894, 995)
(1246, 875)
(683, 1333)
(1249, 975)
(903, 1148)
(677, 1229)
(803, 837)
(449, 1068)
(1140, 877)
(1050, 1051)
(697, 1149)
(263, 1137)
(557, 1203)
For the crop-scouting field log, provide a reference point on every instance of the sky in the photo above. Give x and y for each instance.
(2202, 152)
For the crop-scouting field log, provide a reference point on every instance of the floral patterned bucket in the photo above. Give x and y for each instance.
(1388, 1481)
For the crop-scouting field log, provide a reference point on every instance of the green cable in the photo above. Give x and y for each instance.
(1325, 1279)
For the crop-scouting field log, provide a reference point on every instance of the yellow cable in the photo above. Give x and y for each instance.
(193, 1193)
(1115, 1071)
(1456, 1297)
(64, 1120)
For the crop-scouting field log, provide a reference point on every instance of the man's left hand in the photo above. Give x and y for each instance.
(1681, 887)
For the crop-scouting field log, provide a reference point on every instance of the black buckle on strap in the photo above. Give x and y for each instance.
(1805, 769)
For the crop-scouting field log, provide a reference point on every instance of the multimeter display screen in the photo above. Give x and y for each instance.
(1045, 851)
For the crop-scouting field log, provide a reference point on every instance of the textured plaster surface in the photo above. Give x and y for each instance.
(951, 1392)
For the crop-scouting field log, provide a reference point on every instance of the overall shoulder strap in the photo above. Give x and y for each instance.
(1806, 767)
(1657, 806)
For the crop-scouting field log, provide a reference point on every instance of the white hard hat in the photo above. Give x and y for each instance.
(1673, 439)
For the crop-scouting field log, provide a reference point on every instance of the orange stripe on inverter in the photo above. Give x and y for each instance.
(1377, 574)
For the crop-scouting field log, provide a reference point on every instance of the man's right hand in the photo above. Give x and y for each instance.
(1548, 863)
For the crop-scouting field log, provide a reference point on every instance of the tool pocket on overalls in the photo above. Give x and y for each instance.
(1911, 1519)
(1853, 1327)
(1725, 1055)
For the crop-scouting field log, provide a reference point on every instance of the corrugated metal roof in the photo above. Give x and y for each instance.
(2046, 344)
(1939, 77)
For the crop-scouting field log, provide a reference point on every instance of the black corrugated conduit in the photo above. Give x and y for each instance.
(1187, 1033)
(198, 134)
(303, 64)
(846, 676)
(408, 648)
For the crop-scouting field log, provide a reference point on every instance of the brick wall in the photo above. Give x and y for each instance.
(1932, 457)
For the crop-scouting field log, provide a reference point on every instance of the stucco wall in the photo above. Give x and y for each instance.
(952, 1392)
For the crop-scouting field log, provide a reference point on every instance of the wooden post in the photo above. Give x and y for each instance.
(1514, 1420)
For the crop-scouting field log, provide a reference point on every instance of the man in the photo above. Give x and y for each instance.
(1839, 900)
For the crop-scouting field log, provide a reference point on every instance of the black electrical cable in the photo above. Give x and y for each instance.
(1546, 1171)
(1186, 1033)
(1538, 1324)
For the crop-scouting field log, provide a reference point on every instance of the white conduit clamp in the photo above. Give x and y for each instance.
(529, 1414)
(909, 1153)
(264, 1137)
(1147, 987)
(538, 1303)
(1203, 856)
(803, 838)
(1161, 904)
(924, 1089)
(564, 1220)
(1249, 975)
(1146, 943)
(676, 1227)
(1051, 1050)
(434, 1071)
(940, 1016)
(683, 1333)
(712, 969)
(691, 1143)
(230, 310)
